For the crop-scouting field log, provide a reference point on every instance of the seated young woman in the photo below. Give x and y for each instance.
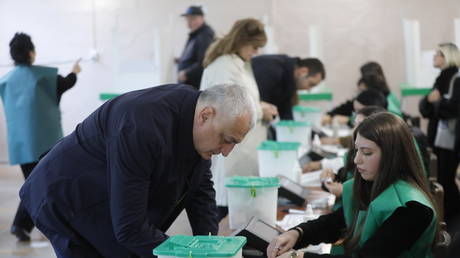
(387, 210)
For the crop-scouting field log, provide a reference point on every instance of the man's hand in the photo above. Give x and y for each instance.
(269, 111)
(182, 77)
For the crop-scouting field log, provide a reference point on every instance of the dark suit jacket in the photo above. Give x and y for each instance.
(445, 108)
(275, 78)
(192, 56)
(122, 177)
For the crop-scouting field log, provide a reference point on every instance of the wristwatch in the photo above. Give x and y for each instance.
(293, 254)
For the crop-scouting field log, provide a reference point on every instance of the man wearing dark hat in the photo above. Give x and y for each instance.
(200, 37)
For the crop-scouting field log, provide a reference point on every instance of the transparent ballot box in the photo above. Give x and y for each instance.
(293, 131)
(308, 114)
(279, 158)
(251, 196)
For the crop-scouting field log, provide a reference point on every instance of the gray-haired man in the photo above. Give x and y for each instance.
(113, 186)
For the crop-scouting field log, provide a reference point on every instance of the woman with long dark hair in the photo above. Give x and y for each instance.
(387, 210)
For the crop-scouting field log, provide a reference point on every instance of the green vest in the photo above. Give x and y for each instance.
(419, 154)
(338, 201)
(396, 195)
(32, 111)
(394, 105)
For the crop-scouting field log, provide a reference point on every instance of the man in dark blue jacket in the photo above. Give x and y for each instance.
(113, 186)
(280, 76)
(200, 37)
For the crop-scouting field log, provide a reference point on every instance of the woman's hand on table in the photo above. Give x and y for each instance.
(282, 244)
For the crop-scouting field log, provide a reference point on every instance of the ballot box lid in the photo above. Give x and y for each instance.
(278, 146)
(305, 109)
(292, 123)
(200, 246)
(252, 182)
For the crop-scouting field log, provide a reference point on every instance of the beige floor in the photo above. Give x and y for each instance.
(10, 181)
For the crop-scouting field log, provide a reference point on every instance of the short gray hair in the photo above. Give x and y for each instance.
(229, 99)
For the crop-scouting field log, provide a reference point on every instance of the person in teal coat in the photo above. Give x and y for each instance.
(388, 210)
(31, 96)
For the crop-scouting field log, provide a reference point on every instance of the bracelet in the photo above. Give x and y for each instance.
(300, 230)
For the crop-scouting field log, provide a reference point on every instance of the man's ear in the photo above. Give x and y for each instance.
(302, 71)
(206, 114)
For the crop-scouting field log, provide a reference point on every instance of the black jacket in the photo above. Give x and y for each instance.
(192, 57)
(397, 234)
(125, 173)
(344, 109)
(275, 78)
(444, 109)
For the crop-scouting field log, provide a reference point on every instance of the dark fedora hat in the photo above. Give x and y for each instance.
(193, 10)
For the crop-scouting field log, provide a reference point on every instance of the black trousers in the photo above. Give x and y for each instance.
(22, 218)
(222, 212)
(447, 170)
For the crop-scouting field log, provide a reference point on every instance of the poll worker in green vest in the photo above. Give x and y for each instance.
(31, 96)
(387, 210)
(372, 77)
(333, 182)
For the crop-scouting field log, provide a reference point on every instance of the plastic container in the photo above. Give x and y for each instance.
(201, 246)
(293, 131)
(251, 196)
(279, 158)
(308, 114)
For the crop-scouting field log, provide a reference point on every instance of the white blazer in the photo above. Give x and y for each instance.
(231, 69)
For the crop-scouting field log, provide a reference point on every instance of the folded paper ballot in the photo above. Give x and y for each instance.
(291, 220)
(341, 132)
(311, 179)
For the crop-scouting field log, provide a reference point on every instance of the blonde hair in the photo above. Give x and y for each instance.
(451, 54)
(244, 32)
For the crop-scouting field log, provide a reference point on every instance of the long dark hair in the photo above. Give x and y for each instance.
(392, 135)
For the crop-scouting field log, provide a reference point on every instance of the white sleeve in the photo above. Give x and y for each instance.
(221, 71)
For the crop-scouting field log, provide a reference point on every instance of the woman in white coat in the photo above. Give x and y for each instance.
(227, 61)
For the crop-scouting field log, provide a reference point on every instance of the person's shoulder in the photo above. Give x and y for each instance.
(225, 60)
(207, 29)
(271, 59)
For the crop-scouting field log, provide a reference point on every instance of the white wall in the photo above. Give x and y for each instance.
(137, 39)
